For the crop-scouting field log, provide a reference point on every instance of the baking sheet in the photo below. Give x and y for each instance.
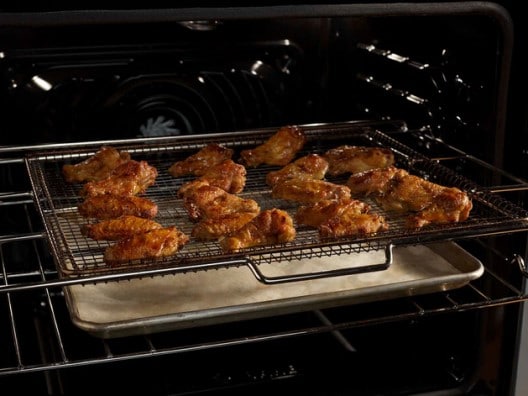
(142, 306)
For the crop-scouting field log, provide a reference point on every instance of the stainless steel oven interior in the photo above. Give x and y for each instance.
(440, 81)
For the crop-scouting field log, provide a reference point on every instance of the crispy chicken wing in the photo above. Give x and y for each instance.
(152, 244)
(112, 206)
(130, 178)
(207, 201)
(119, 228)
(396, 189)
(344, 218)
(227, 175)
(199, 163)
(354, 159)
(216, 227)
(280, 149)
(270, 226)
(309, 190)
(96, 167)
(311, 166)
(351, 224)
(314, 214)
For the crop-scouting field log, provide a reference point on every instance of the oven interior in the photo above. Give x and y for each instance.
(435, 75)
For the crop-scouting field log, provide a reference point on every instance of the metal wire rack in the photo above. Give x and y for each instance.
(78, 256)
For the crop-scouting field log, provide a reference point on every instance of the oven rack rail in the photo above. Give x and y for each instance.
(32, 305)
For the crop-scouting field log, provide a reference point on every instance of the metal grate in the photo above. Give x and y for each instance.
(79, 256)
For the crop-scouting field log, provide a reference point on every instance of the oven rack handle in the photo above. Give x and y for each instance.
(272, 280)
(253, 267)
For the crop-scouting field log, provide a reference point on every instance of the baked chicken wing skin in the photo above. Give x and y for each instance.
(353, 159)
(118, 228)
(309, 190)
(311, 166)
(341, 218)
(228, 175)
(213, 228)
(397, 190)
(207, 201)
(96, 167)
(352, 225)
(271, 226)
(315, 214)
(110, 206)
(152, 244)
(279, 149)
(200, 162)
(130, 178)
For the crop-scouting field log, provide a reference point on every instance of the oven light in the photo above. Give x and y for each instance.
(41, 83)
(201, 79)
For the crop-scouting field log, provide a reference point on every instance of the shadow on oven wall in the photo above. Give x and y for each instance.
(94, 81)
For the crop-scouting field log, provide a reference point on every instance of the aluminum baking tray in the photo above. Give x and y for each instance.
(149, 305)
(77, 256)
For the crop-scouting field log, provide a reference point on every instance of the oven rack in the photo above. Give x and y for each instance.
(53, 325)
(80, 257)
(32, 305)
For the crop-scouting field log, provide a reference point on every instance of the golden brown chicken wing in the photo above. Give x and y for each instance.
(216, 227)
(152, 244)
(270, 226)
(96, 167)
(344, 218)
(314, 214)
(354, 159)
(280, 149)
(199, 163)
(227, 175)
(351, 224)
(396, 189)
(309, 190)
(311, 166)
(208, 201)
(112, 206)
(129, 178)
(119, 228)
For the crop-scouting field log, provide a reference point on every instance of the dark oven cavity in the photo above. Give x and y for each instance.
(429, 80)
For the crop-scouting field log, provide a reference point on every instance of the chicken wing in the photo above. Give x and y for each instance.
(280, 149)
(208, 201)
(309, 190)
(199, 163)
(354, 159)
(396, 189)
(213, 228)
(110, 206)
(96, 167)
(311, 166)
(119, 228)
(152, 244)
(344, 218)
(129, 178)
(227, 175)
(270, 226)
(351, 224)
(315, 214)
